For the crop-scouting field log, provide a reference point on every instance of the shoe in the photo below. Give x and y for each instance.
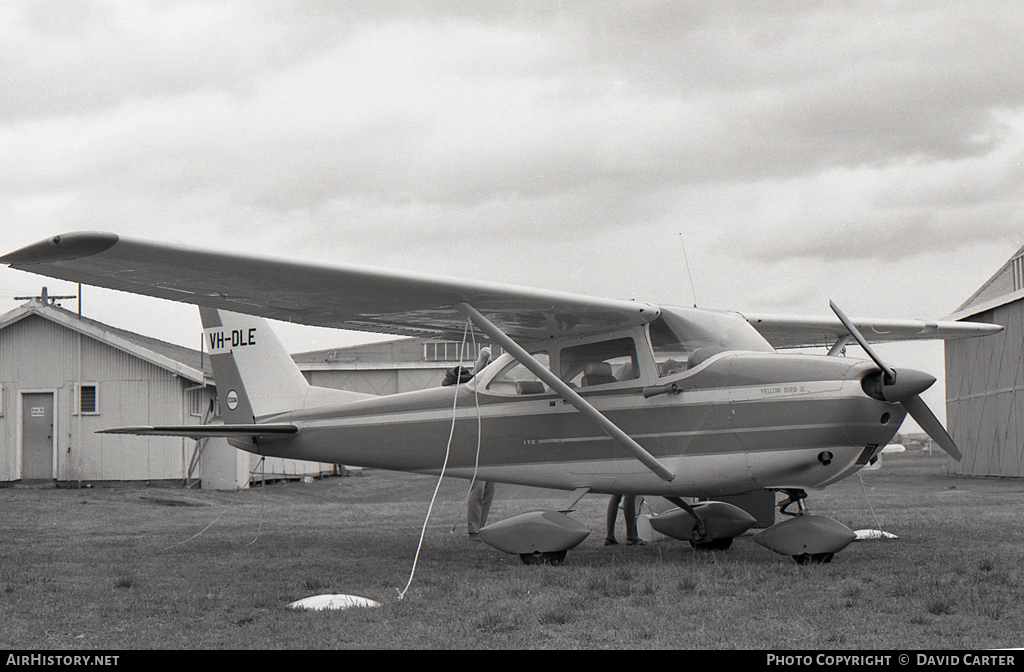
(474, 536)
(634, 542)
(608, 541)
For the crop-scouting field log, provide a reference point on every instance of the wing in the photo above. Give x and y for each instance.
(345, 297)
(392, 302)
(791, 331)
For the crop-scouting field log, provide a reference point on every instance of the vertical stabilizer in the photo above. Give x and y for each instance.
(255, 375)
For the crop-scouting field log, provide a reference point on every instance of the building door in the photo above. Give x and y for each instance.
(37, 436)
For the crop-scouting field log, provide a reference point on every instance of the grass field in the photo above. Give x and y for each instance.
(117, 568)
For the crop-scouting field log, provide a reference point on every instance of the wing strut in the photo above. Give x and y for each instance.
(566, 392)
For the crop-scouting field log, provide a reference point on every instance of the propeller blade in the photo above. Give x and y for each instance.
(907, 392)
(920, 412)
(890, 375)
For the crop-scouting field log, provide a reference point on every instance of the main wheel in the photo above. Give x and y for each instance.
(697, 537)
(538, 558)
(713, 544)
(814, 558)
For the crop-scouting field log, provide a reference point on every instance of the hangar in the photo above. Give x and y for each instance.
(388, 367)
(985, 378)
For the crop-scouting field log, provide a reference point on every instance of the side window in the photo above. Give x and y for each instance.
(517, 379)
(599, 363)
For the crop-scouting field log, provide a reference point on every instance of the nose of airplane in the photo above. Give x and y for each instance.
(908, 383)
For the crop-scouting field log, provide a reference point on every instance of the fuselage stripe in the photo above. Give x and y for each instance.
(514, 407)
(706, 432)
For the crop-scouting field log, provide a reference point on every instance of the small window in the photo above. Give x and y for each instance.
(517, 379)
(88, 399)
(448, 351)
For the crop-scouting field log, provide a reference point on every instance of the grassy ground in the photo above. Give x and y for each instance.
(117, 568)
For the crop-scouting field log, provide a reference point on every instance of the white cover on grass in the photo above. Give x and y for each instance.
(321, 602)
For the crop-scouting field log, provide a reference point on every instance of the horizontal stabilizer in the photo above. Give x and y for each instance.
(207, 431)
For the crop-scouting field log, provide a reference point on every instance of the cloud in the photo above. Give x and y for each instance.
(68, 59)
(511, 142)
(894, 212)
(462, 108)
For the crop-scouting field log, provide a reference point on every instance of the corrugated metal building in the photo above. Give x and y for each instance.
(985, 378)
(62, 377)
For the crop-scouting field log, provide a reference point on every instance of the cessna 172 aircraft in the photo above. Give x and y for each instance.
(591, 395)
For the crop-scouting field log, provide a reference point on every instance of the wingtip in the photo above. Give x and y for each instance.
(64, 247)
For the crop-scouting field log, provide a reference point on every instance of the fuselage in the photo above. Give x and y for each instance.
(735, 422)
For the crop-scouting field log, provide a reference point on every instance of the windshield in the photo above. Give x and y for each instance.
(683, 338)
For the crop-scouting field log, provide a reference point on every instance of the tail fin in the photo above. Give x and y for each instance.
(256, 377)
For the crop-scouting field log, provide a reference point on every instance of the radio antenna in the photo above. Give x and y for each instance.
(693, 291)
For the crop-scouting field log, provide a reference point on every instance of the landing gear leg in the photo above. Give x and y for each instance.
(699, 532)
(793, 497)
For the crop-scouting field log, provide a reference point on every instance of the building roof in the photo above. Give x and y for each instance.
(185, 362)
(427, 353)
(1006, 286)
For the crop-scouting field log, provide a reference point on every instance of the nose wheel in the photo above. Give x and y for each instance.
(797, 497)
(712, 544)
(807, 538)
(537, 558)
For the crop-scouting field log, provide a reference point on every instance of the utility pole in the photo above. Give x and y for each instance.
(45, 297)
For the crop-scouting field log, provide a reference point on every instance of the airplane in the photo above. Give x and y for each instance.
(590, 395)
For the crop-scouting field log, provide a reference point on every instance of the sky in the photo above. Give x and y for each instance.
(781, 154)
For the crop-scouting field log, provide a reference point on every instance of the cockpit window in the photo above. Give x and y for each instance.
(682, 340)
(517, 379)
(611, 361)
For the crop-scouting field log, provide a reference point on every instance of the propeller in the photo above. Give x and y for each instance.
(904, 387)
